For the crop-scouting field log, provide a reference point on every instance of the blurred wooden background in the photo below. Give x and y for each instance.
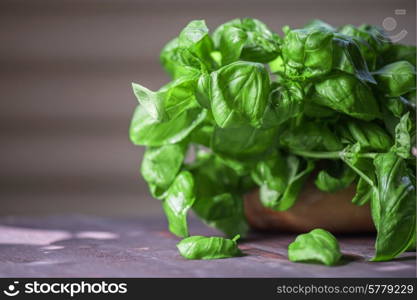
(65, 73)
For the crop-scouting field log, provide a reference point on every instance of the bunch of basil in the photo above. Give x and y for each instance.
(260, 110)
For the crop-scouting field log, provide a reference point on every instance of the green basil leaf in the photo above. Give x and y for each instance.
(201, 247)
(202, 135)
(370, 40)
(218, 202)
(397, 78)
(402, 146)
(310, 135)
(346, 94)
(348, 58)
(370, 136)
(195, 37)
(223, 212)
(151, 101)
(308, 52)
(239, 94)
(320, 24)
(398, 52)
(146, 131)
(203, 90)
(242, 142)
(363, 166)
(281, 179)
(179, 61)
(317, 246)
(246, 39)
(395, 202)
(363, 193)
(231, 42)
(177, 201)
(336, 177)
(178, 96)
(285, 102)
(160, 165)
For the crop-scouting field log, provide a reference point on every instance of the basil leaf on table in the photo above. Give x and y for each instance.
(201, 247)
(239, 94)
(178, 199)
(395, 202)
(317, 246)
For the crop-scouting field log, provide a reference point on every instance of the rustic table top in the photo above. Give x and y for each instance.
(85, 246)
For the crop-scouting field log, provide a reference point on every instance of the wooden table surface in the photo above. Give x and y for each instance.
(85, 246)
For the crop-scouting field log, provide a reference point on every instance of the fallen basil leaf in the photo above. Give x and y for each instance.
(201, 247)
(317, 246)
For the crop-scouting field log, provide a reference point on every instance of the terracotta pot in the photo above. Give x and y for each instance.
(314, 209)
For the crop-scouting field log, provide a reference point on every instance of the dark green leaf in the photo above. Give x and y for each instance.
(281, 179)
(310, 136)
(344, 93)
(397, 78)
(285, 102)
(398, 52)
(348, 58)
(334, 178)
(370, 136)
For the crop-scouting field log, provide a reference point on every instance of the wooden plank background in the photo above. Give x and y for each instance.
(65, 73)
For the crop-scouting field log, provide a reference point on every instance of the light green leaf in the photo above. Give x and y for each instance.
(317, 246)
